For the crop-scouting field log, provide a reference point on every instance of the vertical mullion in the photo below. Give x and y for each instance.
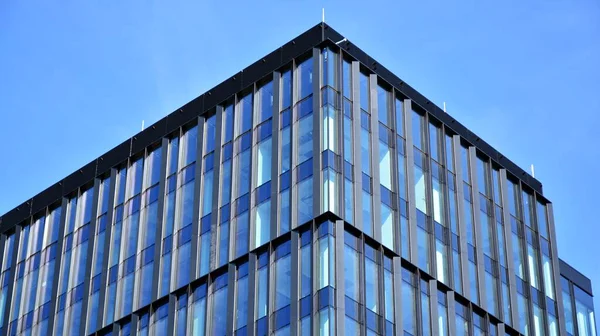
(339, 274)
(430, 222)
(317, 132)
(355, 69)
(250, 327)
(509, 250)
(539, 270)
(231, 273)
(90, 255)
(464, 251)
(376, 210)
(433, 307)
(196, 199)
(451, 304)
(160, 219)
(395, 180)
(253, 174)
(294, 147)
(477, 229)
(171, 312)
(398, 313)
(133, 325)
(11, 283)
(556, 270)
(410, 182)
(525, 257)
(214, 219)
(294, 285)
(275, 135)
(58, 262)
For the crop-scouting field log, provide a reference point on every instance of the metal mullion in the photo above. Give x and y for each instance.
(433, 307)
(275, 228)
(339, 274)
(160, 219)
(90, 255)
(8, 304)
(362, 283)
(560, 311)
(314, 272)
(171, 313)
(253, 174)
(294, 146)
(317, 132)
(357, 169)
(376, 191)
(294, 285)
(398, 313)
(525, 257)
(3, 239)
(540, 270)
(395, 180)
(477, 228)
(451, 305)
(464, 251)
(231, 295)
(428, 173)
(410, 182)
(339, 138)
(196, 203)
(215, 215)
(252, 273)
(134, 325)
(58, 262)
(446, 215)
(508, 240)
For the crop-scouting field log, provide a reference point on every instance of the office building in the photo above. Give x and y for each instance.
(312, 193)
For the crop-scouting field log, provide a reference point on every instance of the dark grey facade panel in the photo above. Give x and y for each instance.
(575, 277)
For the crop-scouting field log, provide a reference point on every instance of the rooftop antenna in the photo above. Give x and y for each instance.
(142, 125)
(532, 171)
(323, 15)
(444, 106)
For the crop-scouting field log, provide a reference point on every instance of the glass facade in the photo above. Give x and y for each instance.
(318, 200)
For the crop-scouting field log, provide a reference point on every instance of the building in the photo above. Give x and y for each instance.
(314, 192)
(577, 301)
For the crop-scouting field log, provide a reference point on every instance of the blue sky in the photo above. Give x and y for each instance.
(78, 79)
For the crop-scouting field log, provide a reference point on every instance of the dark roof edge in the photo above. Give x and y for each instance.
(575, 277)
(208, 100)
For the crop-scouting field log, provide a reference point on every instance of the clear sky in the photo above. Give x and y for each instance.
(78, 78)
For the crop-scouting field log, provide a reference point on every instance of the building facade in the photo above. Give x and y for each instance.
(312, 193)
(577, 301)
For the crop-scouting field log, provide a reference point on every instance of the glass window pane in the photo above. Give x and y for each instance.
(385, 165)
(265, 101)
(286, 150)
(383, 105)
(364, 92)
(365, 151)
(351, 273)
(282, 282)
(305, 78)
(244, 115)
(420, 193)
(263, 162)
(263, 223)
(305, 200)
(387, 226)
(305, 138)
